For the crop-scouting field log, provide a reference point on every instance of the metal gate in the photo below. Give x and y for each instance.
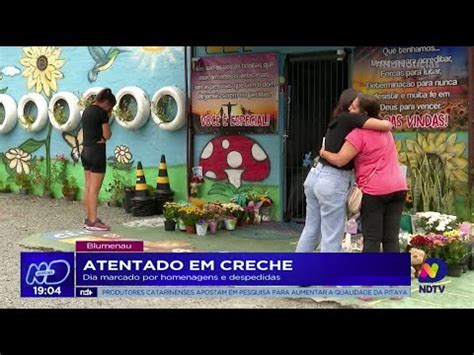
(315, 82)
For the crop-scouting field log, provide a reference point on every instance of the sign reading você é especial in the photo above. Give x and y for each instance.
(419, 87)
(235, 93)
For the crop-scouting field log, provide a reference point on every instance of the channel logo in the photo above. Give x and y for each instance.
(53, 273)
(433, 270)
(47, 274)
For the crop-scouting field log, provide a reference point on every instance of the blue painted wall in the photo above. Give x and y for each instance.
(149, 69)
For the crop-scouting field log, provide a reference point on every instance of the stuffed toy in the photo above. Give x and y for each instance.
(418, 257)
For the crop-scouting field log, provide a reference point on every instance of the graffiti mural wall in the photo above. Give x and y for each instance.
(40, 133)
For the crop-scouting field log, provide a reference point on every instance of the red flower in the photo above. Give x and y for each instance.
(421, 240)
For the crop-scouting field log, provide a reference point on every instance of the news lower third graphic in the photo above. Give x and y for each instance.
(138, 274)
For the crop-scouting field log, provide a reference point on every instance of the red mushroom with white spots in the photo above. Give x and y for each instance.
(234, 158)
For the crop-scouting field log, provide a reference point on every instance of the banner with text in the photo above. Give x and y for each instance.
(419, 87)
(235, 93)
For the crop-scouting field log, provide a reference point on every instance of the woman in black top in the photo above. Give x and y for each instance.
(327, 185)
(96, 131)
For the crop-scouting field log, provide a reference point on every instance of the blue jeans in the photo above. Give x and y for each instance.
(326, 190)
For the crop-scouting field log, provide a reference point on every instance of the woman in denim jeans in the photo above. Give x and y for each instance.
(327, 185)
(380, 178)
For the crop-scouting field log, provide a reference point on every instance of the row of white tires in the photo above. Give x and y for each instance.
(45, 111)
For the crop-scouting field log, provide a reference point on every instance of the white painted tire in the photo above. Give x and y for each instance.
(42, 108)
(11, 115)
(94, 91)
(89, 92)
(180, 98)
(143, 107)
(74, 118)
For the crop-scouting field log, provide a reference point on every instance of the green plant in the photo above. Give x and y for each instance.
(85, 102)
(432, 189)
(214, 211)
(470, 202)
(36, 176)
(170, 211)
(58, 170)
(453, 253)
(70, 186)
(23, 181)
(124, 110)
(27, 120)
(115, 189)
(59, 113)
(190, 215)
(4, 187)
(161, 108)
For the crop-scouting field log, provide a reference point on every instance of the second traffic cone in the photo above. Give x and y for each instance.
(163, 181)
(141, 189)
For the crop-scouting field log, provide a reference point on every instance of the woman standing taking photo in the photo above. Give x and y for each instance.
(96, 131)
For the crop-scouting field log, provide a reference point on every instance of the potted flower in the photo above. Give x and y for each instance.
(265, 210)
(70, 189)
(190, 215)
(230, 222)
(434, 222)
(201, 227)
(214, 212)
(232, 213)
(170, 212)
(454, 253)
(424, 243)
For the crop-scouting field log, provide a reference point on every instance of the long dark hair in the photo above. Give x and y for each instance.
(370, 105)
(345, 100)
(106, 95)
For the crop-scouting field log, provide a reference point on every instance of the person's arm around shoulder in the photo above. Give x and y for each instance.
(377, 124)
(341, 158)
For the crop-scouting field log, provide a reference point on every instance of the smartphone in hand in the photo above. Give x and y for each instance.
(323, 146)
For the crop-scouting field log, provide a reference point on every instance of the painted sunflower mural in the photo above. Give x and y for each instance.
(438, 147)
(42, 71)
(42, 66)
(438, 170)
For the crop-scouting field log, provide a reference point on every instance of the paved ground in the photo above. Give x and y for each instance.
(32, 222)
(22, 216)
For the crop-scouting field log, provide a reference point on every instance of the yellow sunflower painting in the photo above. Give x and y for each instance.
(42, 66)
(436, 146)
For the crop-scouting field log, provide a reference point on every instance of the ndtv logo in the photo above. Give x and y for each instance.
(433, 270)
(43, 273)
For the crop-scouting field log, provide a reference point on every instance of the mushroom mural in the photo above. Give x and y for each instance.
(234, 158)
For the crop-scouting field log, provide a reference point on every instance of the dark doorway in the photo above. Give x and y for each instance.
(315, 82)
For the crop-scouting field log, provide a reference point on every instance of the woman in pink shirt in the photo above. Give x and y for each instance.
(378, 175)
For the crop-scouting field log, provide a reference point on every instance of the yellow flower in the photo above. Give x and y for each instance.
(42, 66)
(440, 146)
